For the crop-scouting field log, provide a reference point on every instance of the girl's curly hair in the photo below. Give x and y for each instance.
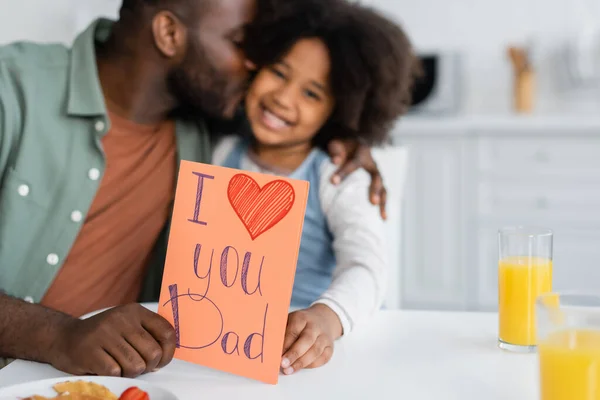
(373, 65)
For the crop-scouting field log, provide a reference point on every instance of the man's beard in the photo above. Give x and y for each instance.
(199, 92)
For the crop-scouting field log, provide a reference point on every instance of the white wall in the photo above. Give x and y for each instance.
(49, 20)
(480, 28)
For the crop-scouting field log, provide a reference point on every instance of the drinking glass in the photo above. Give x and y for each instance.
(568, 326)
(524, 272)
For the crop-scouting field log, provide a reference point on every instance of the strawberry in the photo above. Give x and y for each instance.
(134, 393)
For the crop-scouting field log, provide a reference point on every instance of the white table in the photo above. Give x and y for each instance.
(403, 355)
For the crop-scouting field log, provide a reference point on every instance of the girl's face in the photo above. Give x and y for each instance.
(290, 101)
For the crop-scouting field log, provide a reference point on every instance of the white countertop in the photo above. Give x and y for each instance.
(405, 355)
(511, 124)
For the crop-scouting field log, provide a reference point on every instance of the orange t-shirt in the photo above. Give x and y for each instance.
(107, 263)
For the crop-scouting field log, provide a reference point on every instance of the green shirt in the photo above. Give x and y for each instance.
(52, 117)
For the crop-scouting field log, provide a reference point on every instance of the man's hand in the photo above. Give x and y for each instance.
(309, 338)
(349, 155)
(124, 341)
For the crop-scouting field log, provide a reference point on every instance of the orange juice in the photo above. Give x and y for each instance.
(520, 280)
(570, 365)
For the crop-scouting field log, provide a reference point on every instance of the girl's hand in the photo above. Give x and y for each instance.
(309, 338)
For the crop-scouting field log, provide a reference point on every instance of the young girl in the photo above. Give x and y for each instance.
(325, 69)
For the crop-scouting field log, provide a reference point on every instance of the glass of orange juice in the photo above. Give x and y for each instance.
(524, 272)
(568, 334)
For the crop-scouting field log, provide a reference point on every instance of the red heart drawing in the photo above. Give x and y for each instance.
(258, 208)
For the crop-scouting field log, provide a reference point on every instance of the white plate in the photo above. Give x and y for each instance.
(150, 306)
(115, 385)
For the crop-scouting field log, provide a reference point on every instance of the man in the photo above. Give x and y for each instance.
(90, 140)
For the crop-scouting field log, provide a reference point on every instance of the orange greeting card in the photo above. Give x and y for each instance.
(229, 272)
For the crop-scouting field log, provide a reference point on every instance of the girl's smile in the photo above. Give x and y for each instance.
(272, 120)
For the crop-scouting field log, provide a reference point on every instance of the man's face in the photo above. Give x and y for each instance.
(213, 77)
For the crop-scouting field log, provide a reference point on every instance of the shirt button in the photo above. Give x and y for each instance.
(28, 299)
(99, 126)
(52, 259)
(76, 216)
(94, 174)
(23, 190)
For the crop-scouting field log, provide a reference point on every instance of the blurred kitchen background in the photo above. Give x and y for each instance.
(495, 137)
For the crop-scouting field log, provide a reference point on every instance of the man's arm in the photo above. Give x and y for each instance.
(29, 331)
(350, 155)
(124, 341)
